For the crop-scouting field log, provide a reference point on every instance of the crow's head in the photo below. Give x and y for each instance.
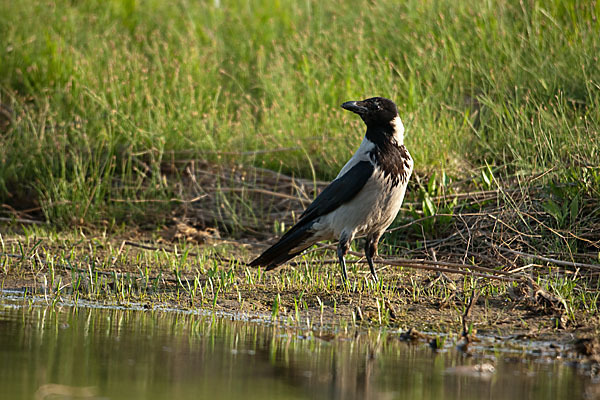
(379, 114)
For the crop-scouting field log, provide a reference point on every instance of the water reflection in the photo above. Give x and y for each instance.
(123, 354)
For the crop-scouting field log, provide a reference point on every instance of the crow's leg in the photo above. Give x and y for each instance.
(343, 247)
(370, 251)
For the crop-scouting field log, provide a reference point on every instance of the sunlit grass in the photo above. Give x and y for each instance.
(104, 95)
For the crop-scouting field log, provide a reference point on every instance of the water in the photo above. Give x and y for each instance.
(111, 353)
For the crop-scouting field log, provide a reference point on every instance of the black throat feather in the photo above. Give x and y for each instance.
(391, 157)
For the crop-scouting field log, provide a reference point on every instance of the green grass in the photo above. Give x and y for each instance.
(106, 94)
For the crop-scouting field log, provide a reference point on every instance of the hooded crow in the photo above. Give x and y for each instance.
(363, 199)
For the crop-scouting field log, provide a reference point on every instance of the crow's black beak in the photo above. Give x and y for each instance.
(355, 106)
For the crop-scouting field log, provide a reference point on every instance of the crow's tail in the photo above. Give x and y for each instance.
(294, 242)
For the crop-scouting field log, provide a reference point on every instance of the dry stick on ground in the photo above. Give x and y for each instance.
(430, 265)
(419, 264)
(470, 237)
(22, 221)
(173, 200)
(593, 243)
(274, 177)
(551, 260)
(264, 191)
(465, 317)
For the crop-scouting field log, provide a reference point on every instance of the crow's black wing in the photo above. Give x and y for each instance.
(300, 236)
(339, 191)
